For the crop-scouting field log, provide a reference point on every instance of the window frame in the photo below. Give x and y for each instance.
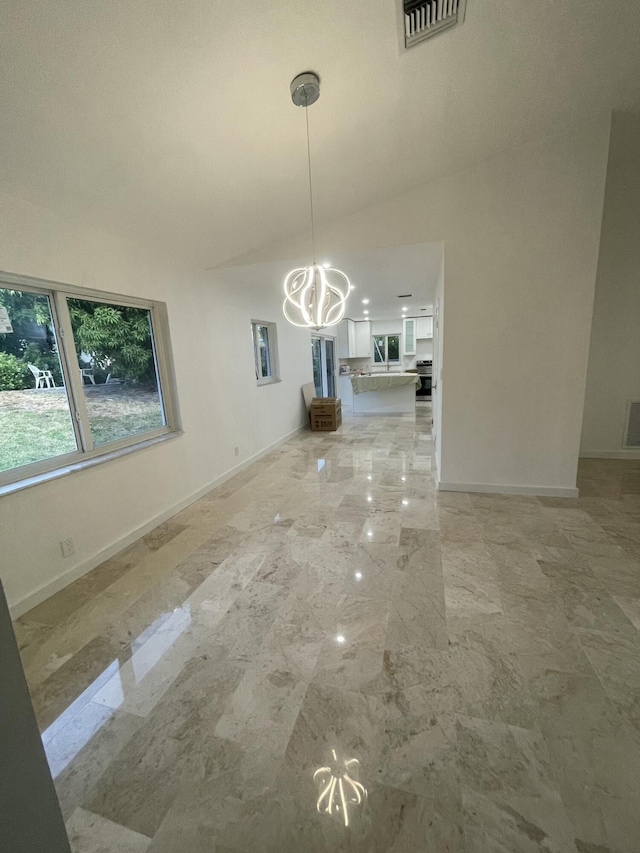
(86, 451)
(272, 338)
(387, 360)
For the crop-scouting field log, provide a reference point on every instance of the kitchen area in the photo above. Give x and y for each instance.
(384, 357)
(385, 366)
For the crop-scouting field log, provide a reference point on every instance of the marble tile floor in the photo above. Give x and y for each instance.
(325, 654)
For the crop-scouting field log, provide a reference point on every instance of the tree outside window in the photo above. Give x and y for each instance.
(78, 374)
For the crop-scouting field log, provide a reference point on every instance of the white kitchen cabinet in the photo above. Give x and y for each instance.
(354, 339)
(409, 336)
(347, 339)
(362, 339)
(425, 328)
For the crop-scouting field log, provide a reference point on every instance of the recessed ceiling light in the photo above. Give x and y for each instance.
(341, 639)
(352, 287)
(365, 312)
(405, 308)
(365, 301)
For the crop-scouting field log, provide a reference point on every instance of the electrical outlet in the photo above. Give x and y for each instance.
(67, 547)
(236, 450)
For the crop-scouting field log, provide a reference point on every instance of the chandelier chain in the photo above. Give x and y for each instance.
(313, 233)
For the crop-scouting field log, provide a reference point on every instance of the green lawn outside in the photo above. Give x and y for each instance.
(36, 425)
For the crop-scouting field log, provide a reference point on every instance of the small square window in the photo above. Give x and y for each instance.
(386, 348)
(265, 351)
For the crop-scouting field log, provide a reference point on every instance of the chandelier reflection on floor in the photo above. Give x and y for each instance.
(338, 790)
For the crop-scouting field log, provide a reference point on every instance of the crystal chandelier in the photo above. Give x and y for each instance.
(315, 296)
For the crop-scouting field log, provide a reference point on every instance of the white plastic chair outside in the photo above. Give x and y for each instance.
(44, 378)
(87, 373)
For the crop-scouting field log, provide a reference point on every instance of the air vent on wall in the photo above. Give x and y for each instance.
(426, 18)
(405, 295)
(631, 439)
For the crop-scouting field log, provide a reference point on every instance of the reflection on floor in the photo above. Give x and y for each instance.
(324, 654)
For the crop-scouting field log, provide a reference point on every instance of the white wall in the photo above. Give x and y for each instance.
(387, 327)
(105, 506)
(521, 233)
(438, 351)
(613, 376)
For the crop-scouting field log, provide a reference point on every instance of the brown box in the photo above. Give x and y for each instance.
(325, 414)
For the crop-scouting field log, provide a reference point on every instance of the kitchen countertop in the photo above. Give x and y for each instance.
(380, 381)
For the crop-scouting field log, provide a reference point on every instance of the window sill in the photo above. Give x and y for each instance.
(83, 464)
(261, 382)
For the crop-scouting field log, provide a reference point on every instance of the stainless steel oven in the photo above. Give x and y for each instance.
(425, 372)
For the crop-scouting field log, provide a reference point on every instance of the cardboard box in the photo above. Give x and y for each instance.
(325, 414)
(326, 405)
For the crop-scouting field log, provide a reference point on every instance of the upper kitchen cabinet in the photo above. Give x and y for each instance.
(409, 335)
(354, 339)
(363, 338)
(425, 327)
(346, 339)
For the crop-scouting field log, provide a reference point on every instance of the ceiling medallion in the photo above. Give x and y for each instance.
(315, 296)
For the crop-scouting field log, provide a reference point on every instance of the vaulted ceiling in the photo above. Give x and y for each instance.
(172, 121)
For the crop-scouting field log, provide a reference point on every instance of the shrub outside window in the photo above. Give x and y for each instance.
(265, 351)
(82, 374)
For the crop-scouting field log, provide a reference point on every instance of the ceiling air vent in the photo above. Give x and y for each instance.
(426, 18)
(631, 440)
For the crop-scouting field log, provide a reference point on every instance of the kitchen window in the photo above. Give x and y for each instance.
(83, 375)
(265, 352)
(386, 348)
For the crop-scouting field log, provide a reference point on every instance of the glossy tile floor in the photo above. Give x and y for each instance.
(325, 641)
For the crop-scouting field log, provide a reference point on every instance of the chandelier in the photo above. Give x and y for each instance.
(315, 296)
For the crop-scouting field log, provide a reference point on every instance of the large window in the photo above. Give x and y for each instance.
(265, 351)
(81, 375)
(386, 348)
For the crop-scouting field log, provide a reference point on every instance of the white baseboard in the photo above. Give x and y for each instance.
(493, 489)
(610, 454)
(23, 605)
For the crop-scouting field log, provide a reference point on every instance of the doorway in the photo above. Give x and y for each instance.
(324, 366)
